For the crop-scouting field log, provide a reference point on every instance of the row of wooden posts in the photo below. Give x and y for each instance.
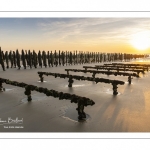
(81, 101)
(10, 59)
(94, 72)
(118, 69)
(71, 81)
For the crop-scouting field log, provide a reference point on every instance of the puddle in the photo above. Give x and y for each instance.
(40, 81)
(77, 85)
(2, 90)
(70, 113)
(6, 90)
(128, 82)
(109, 91)
(34, 98)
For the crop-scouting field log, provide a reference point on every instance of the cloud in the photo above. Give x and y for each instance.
(65, 31)
(80, 29)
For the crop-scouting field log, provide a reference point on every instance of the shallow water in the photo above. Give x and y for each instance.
(128, 83)
(41, 82)
(109, 91)
(77, 85)
(70, 113)
(7, 90)
(34, 98)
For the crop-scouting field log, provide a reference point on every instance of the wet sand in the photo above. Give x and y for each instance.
(129, 111)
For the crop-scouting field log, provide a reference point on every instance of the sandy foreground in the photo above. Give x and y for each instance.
(129, 111)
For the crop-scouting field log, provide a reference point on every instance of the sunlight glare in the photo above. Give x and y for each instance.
(141, 40)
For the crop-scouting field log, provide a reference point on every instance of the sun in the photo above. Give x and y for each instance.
(141, 40)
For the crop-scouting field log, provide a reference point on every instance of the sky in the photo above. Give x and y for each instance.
(113, 35)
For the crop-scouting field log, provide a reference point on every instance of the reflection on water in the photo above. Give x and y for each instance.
(67, 118)
(109, 91)
(34, 98)
(145, 60)
(128, 82)
(77, 85)
(141, 61)
(70, 113)
(40, 81)
(6, 90)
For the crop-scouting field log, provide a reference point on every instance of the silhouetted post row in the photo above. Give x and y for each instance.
(32, 59)
(2, 59)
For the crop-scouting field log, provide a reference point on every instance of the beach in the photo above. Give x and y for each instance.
(128, 111)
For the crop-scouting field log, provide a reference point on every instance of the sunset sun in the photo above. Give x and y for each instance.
(141, 40)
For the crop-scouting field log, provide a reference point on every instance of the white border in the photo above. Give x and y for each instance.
(78, 135)
(70, 135)
(74, 14)
(75, 5)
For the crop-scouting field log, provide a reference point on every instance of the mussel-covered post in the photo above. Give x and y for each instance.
(93, 75)
(70, 81)
(147, 69)
(85, 68)
(59, 58)
(74, 58)
(143, 71)
(80, 109)
(129, 79)
(66, 58)
(52, 59)
(67, 72)
(1, 86)
(138, 73)
(63, 58)
(41, 77)
(56, 58)
(117, 69)
(82, 102)
(28, 92)
(114, 88)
